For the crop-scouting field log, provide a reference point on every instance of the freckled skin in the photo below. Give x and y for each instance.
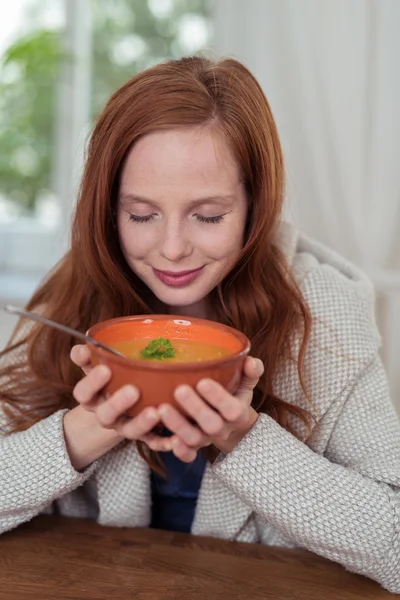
(171, 170)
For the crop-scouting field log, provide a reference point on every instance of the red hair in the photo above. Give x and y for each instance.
(93, 282)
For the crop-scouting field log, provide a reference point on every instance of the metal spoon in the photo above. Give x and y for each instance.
(81, 336)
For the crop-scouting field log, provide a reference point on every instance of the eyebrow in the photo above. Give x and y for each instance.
(225, 198)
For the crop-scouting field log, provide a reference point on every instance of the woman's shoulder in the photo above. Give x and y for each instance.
(339, 295)
(341, 300)
(344, 337)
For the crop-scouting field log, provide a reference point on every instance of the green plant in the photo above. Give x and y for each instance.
(127, 36)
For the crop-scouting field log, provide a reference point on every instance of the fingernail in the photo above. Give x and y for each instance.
(204, 385)
(162, 410)
(167, 445)
(259, 365)
(182, 392)
(152, 415)
(103, 371)
(130, 392)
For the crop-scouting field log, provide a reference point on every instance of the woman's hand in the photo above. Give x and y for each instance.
(110, 412)
(98, 424)
(222, 419)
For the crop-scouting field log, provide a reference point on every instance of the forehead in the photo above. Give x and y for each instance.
(191, 159)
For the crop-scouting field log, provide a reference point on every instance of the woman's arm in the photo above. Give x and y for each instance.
(57, 455)
(345, 505)
(35, 469)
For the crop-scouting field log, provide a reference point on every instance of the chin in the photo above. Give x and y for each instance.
(180, 299)
(180, 296)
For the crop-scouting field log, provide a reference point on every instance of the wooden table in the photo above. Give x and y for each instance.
(54, 558)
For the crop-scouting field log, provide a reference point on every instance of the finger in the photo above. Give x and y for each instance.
(112, 409)
(252, 371)
(178, 424)
(182, 451)
(86, 390)
(157, 443)
(209, 421)
(81, 356)
(139, 426)
(229, 407)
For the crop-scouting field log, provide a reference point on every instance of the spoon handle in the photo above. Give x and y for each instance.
(35, 317)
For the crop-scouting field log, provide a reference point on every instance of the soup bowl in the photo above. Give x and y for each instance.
(157, 379)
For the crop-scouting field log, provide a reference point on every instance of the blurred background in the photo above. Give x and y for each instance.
(329, 69)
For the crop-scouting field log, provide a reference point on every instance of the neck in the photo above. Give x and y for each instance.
(199, 310)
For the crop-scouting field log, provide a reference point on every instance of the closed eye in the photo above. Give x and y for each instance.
(137, 219)
(147, 218)
(216, 219)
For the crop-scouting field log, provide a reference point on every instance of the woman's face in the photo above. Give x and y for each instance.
(181, 215)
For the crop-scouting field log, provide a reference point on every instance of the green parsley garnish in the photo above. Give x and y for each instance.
(159, 349)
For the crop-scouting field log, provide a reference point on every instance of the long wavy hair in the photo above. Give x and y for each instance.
(93, 281)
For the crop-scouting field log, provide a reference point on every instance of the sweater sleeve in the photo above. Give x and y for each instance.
(35, 469)
(343, 505)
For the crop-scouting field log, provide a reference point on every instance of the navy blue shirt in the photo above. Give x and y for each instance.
(174, 498)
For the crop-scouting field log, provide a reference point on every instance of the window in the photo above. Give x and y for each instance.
(61, 62)
(30, 54)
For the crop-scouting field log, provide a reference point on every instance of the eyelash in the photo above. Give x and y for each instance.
(137, 219)
(147, 218)
(217, 219)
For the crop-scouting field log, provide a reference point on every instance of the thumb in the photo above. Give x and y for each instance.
(253, 369)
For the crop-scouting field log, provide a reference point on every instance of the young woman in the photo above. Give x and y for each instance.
(185, 174)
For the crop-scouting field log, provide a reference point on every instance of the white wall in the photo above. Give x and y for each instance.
(330, 72)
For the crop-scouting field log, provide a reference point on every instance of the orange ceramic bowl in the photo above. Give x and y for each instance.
(156, 379)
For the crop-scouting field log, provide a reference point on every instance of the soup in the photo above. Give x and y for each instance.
(183, 350)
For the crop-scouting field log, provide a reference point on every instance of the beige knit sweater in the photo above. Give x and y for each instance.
(337, 495)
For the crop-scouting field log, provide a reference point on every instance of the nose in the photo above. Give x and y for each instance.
(175, 242)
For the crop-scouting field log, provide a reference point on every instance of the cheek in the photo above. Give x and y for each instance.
(221, 244)
(135, 243)
(223, 253)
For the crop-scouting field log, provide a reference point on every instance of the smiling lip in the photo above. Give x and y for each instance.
(177, 279)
